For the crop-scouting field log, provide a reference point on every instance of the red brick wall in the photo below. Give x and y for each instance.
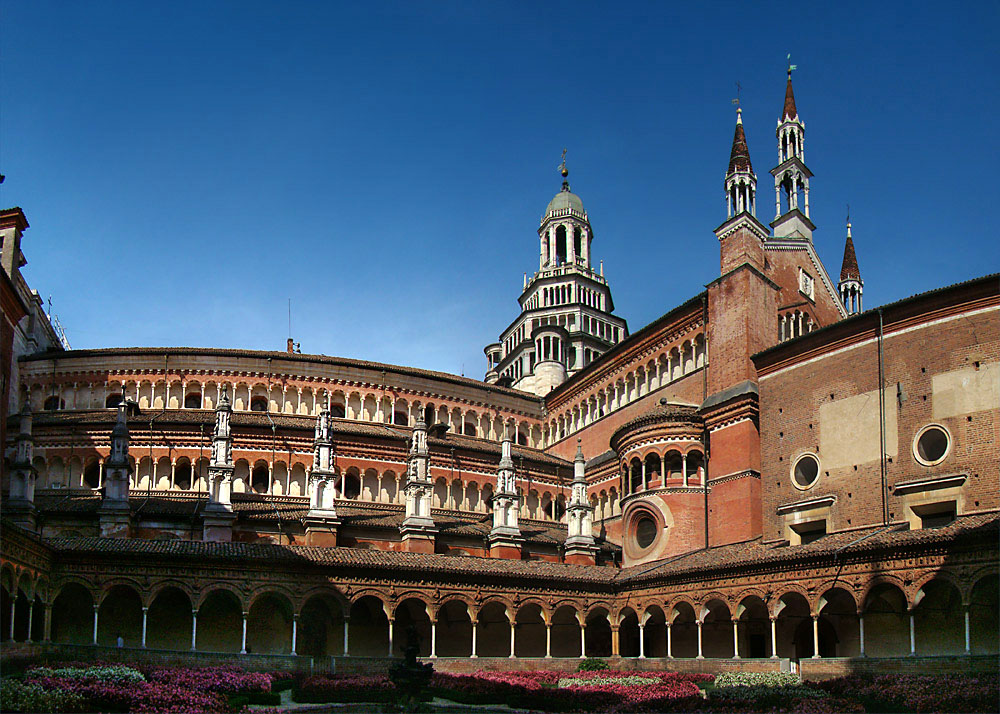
(742, 314)
(790, 403)
(828, 668)
(783, 268)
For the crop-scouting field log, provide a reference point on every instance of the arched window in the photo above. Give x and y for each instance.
(561, 244)
(182, 475)
(259, 478)
(54, 403)
(258, 404)
(192, 401)
(578, 243)
(337, 410)
(92, 475)
(113, 401)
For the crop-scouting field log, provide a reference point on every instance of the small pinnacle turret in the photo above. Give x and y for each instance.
(505, 537)
(851, 285)
(219, 514)
(580, 546)
(115, 511)
(791, 175)
(741, 182)
(418, 531)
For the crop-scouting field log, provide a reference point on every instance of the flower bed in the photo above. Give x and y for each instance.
(918, 693)
(72, 687)
(322, 688)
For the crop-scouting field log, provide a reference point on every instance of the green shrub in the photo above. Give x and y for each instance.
(281, 685)
(238, 701)
(17, 696)
(267, 698)
(592, 664)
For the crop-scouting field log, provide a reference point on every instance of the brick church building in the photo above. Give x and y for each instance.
(767, 473)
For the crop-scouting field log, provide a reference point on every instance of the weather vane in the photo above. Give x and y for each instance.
(739, 88)
(848, 213)
(562, 166)
(791, 67)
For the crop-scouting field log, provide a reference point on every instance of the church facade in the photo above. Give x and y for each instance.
(766, 473)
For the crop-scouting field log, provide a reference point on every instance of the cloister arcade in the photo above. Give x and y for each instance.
(941, 616)
(472, 492)
(378, 407)
(657, 372)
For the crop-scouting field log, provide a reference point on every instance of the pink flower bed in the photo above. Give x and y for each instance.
(919, 693)
(167, 691)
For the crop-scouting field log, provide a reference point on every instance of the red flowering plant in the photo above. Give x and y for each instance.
(919, 693)
(351, 688)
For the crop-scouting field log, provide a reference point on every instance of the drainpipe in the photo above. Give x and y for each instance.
(881, 417)
(704, 396)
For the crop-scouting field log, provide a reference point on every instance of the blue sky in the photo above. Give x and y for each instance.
(188, 167)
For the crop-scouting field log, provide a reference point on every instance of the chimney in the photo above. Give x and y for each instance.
(291, 346)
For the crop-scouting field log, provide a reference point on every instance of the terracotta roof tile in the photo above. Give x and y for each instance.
(850, 270)
(789, 112)
(739, 157)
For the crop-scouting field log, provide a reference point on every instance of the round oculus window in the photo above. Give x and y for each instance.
(806, 471)
(931, 445)
(645, 532)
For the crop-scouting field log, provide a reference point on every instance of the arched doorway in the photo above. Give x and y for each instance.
(454, 630)
(412, 613)
(220, 623)
(120, 614)
(837, 609)
(683, 631)
(887, 626)
(73, 615)
(368, 629)
(939, 619)
(654, 632)
(754, 628)
(565, 632)
(529, 626)
(628, 633)
(168, 620)
(493, 631)
(321, 627)
(598, 633)
(984, 616)
(269, 625)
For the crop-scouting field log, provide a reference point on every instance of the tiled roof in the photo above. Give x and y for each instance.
(983, 527)
(850, 270)
(346, 558)
(289, 357)
(739, 158)
(662, 413)
(789, 112)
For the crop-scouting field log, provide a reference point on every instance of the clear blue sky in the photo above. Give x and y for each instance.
(188, 167)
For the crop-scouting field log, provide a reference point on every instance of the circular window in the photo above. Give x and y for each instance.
(645, 532)
(931, 445)
(805, 471)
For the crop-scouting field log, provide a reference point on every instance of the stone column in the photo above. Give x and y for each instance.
(194, 630)
(145, 614)
(684, 468)
(861, 634)
(347, 622)
(913, 636)
(968, 648)
(434, 639)
(615, 644)
(475, 627)
(392, 621)
(295, 631)
(548, 640)
(583, 641)
(642, 641)
(47, 626)
(736, 639)
(31, 617)
(13, 602)
(243, 643)
(815, 636)
(96, 608)
(513, 629)
(645, 484)
(670, 644)
(774, 639)
(700, 655)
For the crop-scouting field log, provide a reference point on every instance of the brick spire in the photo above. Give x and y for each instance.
(790, 112)
(739, 158)
(850, 270)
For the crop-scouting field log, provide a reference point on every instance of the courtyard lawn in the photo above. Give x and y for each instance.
(151, 689)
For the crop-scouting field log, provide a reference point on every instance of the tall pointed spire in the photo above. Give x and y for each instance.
(851, 285)
(741, 182)
(849, 270)
(791, 175)
(580, 547)
(739, 157)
